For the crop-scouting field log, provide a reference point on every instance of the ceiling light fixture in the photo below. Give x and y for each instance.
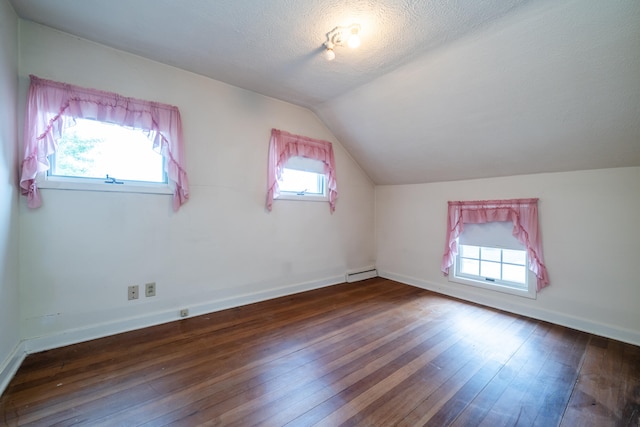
(340, 36)
(329, 54)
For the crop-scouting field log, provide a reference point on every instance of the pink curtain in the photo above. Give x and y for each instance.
(283, 146)
(53, 106)
(522, 212)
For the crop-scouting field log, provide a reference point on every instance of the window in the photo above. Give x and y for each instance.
(521, 217)
(74, 137)
(490, 257)
(506, 267)
(300, 167)
(99, 155)
(302, 179)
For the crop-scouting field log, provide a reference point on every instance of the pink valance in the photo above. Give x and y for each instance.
(522, 212)
(283, 146)
(52, 107)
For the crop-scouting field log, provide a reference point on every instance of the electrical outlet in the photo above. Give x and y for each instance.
(150, 289)
(133, 292)
(184, 312)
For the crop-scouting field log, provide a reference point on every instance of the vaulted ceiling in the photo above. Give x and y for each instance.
(438, 90)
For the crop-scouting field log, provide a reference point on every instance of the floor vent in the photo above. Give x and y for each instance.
(356, 276)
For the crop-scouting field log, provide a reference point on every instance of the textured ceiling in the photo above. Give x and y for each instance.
(554, 86)
(272, 47)
(439, 90)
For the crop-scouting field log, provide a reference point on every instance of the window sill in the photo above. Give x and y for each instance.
(306, 197)
(75, 185)
(525, 293)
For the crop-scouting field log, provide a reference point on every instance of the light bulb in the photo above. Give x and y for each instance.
(354, 41)
(329, 54)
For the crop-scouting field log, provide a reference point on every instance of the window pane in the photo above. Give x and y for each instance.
(93, 149)
(514, 257)
(470, 251)
(469, 266)
(514, 273)
(490, 269)
(491, 254)
(301, 181)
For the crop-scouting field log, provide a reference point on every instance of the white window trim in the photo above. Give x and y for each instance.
(289, 195)
(530, 293)
(311, 197)
(50, 182)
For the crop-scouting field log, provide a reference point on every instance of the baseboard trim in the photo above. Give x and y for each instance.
(581, 324)
(91, 332)
(11, 365)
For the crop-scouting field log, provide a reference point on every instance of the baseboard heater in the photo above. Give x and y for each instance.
(356, 276)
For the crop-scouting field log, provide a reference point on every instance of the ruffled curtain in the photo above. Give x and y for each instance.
(523, 213)
(52, 107)
(283, 146)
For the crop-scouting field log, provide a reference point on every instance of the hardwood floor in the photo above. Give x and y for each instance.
(371, 353)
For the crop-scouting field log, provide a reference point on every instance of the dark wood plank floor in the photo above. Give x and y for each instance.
(372, 353)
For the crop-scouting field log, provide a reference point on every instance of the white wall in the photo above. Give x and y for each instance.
(590, 233)
(82, 249)
(10, 354)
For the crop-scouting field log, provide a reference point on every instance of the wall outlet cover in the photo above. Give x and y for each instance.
(150, 289)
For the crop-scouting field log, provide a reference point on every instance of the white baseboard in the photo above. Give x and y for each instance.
(90, 332)
(562, 319)
(10, 366)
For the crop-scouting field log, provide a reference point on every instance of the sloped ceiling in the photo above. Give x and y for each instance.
(438, 90)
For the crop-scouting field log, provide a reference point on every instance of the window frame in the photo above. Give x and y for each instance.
(48, 180)
(301, 196)
(499, 286)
